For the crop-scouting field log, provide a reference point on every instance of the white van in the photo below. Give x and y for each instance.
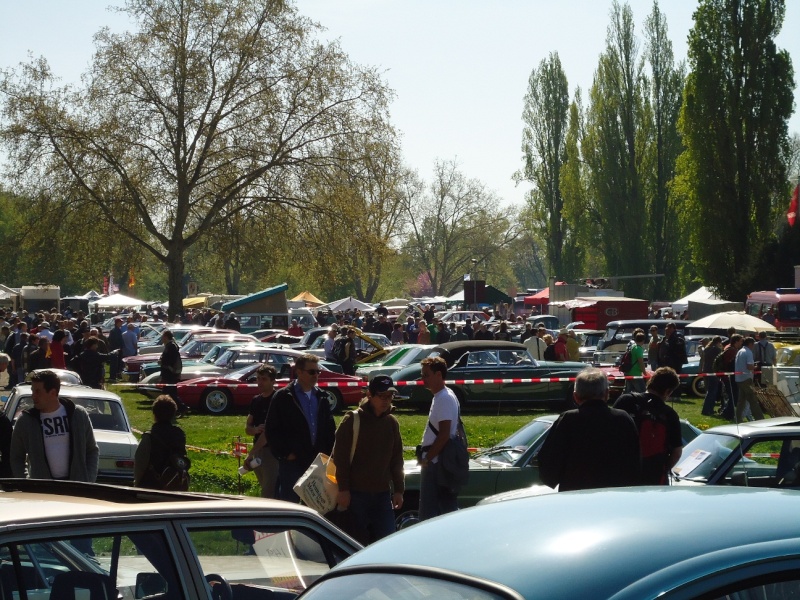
(304, 318)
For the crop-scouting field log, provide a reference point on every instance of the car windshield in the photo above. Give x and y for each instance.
(103, 414)
(511, 448)
(704, 454)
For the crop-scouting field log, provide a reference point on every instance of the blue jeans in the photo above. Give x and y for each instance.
(289, 471)
(712, 394)
(729, 411)
(373, 513)
(434, 500)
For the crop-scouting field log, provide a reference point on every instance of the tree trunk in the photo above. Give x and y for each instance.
(175, 267)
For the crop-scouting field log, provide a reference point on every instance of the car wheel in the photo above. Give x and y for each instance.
(699, 386)
(216, 401)
(409, 514)
(335, 400)
(461, 396)
(569, 401)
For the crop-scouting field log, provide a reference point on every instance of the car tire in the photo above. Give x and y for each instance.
(336, 402)
(569, 402)
(409, 514)
(217, 401)
(698, 386)
(461, 397)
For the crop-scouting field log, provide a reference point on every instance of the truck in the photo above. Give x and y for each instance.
(598, 311)
(40, 296)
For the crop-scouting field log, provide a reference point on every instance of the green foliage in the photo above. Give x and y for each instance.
(544, 147)
(205, 110)
(737, 102)
(618, 129)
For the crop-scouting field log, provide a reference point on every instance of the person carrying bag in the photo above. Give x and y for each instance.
(370, 477)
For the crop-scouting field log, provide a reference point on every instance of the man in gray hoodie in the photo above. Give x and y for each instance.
(54, 438)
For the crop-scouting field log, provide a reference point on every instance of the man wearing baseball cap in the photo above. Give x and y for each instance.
(369, 469)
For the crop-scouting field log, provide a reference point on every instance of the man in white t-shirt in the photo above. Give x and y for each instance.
(434, 499)
(53, 439)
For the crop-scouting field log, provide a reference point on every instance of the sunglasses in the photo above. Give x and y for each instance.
(312, 371)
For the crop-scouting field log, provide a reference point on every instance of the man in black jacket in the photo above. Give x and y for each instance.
(171, 368)
(299, 425)
(593, 446)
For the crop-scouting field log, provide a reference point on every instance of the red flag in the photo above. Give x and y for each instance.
(791, 215)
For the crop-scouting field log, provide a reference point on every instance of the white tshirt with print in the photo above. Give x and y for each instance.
(55, 430)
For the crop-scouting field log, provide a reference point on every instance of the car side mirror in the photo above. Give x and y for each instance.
(150, 584)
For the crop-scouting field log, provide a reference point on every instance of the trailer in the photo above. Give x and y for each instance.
(41, 296)
(598, 311)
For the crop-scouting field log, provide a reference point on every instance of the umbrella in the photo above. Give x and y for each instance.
(741, 321)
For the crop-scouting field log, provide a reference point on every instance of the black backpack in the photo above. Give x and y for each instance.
(626, 362)
(339, 349)
(174, 474)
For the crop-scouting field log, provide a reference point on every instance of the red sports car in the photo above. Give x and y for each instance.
(217, 395)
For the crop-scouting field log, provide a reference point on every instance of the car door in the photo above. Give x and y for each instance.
(477, 365)
(83, 561)
(519, 364)
(261, 557)
(772, 462)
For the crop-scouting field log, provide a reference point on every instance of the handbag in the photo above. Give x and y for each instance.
(317, 487)
(453, 472)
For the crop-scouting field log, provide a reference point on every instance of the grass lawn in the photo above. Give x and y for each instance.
(214, 470)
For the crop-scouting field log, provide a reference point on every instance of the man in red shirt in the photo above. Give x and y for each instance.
(295, 329)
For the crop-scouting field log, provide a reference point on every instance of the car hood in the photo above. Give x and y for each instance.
(528, 492)
(411, 467)
(117, 444)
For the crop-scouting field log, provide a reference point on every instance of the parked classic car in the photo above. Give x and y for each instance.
(193, 349)
(112, 429)
(62, 540)
(623, 543)
(399, 358)
(512, 464)
(235, 390)
(763, 453)
(480, 359)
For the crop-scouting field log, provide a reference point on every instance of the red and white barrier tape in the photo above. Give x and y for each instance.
(511, 380)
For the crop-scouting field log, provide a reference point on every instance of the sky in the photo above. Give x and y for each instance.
(459, 68)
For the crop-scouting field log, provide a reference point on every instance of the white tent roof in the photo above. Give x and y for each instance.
(702, 293)
(117, 300)
(349, 303)
(457, 297)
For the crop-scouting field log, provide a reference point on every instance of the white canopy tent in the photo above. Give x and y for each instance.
(117, 301)
(703, 293)
(348, 303)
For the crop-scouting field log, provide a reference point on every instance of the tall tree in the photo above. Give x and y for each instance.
(209, 107)
(666, 94)
(737, 102)
(545, 114)
(455, 221)
(617, 133)
(574, 184)
(360, 217)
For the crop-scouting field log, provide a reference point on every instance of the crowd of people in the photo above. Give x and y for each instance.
(592, 446)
